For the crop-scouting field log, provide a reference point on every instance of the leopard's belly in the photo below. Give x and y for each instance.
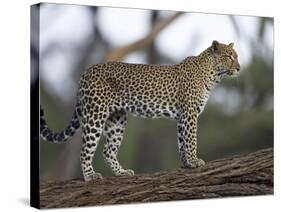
(144, 107)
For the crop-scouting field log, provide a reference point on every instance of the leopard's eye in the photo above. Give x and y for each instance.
(230, 57)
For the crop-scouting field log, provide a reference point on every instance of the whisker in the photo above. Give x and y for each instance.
(221, 73)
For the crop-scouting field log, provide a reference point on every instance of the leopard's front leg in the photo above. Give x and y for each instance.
(187, 139)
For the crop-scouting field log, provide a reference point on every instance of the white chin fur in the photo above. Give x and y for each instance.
(234, 74)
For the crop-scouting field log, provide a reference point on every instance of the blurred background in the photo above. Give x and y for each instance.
(238, 117)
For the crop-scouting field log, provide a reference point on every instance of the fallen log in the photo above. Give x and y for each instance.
(242, 175)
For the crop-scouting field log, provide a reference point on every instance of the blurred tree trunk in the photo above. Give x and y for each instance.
(152, 55)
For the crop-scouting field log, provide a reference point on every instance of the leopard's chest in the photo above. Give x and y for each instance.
(208, 87)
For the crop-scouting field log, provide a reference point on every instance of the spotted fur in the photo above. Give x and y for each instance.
(110, 91)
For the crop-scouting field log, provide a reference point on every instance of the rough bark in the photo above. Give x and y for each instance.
(248, 174)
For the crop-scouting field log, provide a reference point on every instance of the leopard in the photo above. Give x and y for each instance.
(110, 91)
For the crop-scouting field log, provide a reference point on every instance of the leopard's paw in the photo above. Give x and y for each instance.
(195, 163)
(93, 176)
(127, 172)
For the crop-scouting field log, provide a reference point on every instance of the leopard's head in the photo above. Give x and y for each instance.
(226, 59)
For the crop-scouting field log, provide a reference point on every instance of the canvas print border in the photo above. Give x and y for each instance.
(157, 191)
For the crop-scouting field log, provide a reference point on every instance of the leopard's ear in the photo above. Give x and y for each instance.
(231, 45)
(215, 46)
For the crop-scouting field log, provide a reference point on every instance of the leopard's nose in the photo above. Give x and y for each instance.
(238, 67)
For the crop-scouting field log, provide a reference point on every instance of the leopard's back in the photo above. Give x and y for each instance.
(142, 90)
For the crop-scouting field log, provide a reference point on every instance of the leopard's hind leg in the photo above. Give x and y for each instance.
(113, 131)
(92, 126)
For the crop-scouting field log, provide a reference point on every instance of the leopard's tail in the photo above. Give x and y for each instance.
(58, 137)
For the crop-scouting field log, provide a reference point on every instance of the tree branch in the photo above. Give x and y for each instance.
(119, 53)
(248, 174)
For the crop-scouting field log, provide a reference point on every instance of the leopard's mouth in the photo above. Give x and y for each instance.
(233, 72)
(230, 72)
